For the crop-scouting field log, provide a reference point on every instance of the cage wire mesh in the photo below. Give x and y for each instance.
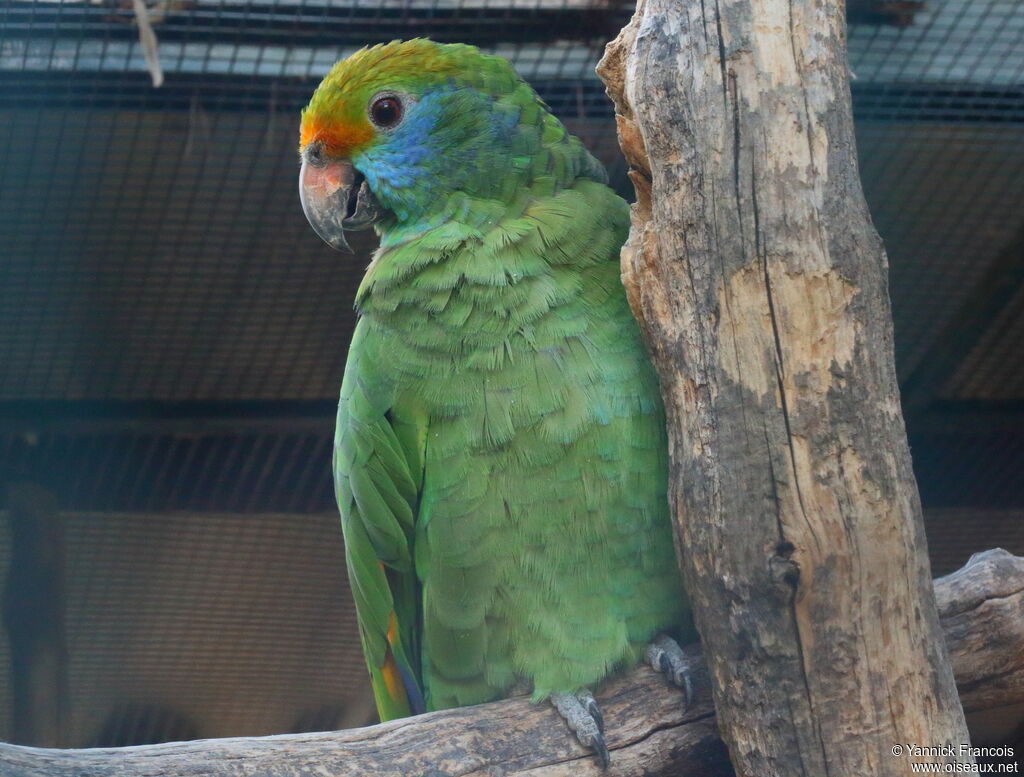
(172, 334)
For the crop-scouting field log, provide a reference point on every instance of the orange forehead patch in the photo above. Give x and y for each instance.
(340, 138)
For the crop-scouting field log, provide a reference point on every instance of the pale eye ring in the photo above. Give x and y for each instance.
(386, 110)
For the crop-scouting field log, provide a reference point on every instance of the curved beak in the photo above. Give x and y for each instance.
(336, 197)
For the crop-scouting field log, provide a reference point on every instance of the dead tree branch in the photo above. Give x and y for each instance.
(982, 611)
(760, 286)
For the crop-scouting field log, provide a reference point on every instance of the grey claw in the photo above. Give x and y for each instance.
(601, 751)
(663, 663)
(584, 717)
(687, 686)
(665, 656)
(590, 705)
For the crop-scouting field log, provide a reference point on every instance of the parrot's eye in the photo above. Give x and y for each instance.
(386, 111)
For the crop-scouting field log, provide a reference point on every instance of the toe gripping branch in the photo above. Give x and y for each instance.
(584, 717)
(665, 656)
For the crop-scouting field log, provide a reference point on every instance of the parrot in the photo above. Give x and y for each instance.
(500, 457)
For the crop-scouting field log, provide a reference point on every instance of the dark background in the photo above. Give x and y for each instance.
(172, 333)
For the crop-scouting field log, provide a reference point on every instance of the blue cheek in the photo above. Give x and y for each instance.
(447, 137)
(399, 166)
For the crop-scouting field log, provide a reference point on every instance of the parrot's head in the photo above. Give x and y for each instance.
(408, 131)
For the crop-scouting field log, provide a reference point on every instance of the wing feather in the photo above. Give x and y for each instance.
(377, 473)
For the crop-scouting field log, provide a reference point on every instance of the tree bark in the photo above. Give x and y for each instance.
(761, 287)
(982, 609)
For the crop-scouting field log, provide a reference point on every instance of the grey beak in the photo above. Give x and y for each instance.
(335, 197)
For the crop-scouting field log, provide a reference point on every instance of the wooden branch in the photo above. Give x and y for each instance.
(982, 609)
(644, 720)
(761, 288)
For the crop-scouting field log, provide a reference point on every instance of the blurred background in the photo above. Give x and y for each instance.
(172, 333)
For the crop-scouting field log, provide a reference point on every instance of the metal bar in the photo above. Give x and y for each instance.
(334, 25)
(82, 417)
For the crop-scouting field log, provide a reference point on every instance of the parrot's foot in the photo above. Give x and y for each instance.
(584, 717)
(665, 655)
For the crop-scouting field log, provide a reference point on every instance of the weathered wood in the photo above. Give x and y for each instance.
(644, 720)
(33, 615)
(761, 288)
(982, 609)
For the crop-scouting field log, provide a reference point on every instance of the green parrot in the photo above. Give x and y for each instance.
(500, 459)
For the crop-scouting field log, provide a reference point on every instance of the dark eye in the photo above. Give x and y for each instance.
(386, 111)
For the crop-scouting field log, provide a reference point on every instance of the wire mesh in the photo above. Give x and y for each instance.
(946, 200)
(230, 470)
(993, 370)
(172, 334)
(945, 537)
(210, 625)
(181, 305)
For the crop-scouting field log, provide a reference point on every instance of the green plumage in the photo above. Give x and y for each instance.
(501, 457)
